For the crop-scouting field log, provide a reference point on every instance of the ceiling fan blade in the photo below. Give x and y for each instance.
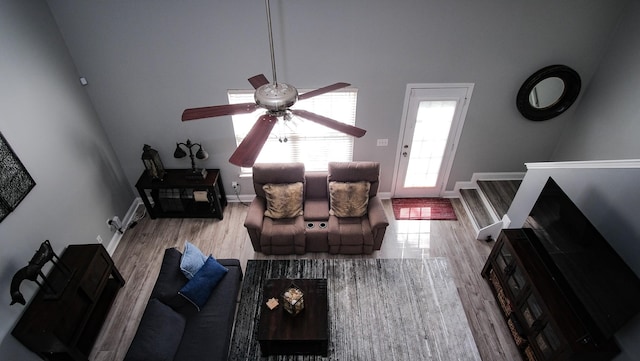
(218, 110)
(323, 90)
(328, 122)
(247, 152)
(258, 80)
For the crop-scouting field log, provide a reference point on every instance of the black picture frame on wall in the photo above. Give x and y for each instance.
(15, 181)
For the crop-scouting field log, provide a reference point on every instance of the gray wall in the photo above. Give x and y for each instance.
(607, 123)
(49, 122)
(606, 126)
(148, 60)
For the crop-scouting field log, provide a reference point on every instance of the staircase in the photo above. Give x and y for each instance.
(486, 202)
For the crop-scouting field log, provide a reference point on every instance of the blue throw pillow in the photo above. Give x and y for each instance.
(199, 288)
(192, 260)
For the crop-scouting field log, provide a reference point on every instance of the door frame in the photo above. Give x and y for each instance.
(455, 132)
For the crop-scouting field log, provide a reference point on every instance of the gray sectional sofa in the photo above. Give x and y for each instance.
(171, 328)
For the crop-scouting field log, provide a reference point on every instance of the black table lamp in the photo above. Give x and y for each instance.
(196, 173)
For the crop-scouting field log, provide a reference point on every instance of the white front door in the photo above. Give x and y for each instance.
(432, 122)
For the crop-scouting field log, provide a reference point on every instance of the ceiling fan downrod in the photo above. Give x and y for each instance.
(273, 57)
(275, 97)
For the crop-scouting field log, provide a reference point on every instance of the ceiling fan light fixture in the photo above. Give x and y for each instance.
(276, 97)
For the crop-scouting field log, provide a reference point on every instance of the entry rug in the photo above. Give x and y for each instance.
(423, 209)
(379, 310)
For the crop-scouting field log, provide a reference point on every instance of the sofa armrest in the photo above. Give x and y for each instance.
(378, 221)
(229, 262)
(377, 217)
(255, 213)
(253, 222)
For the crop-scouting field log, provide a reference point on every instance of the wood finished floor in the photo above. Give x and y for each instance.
(141, 248)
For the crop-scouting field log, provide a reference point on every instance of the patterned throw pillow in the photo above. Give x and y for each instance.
(283, 200)
(348, 199)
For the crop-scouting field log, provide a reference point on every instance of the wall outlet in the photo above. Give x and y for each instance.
(382, 142)
(114, 222)
(234, 185)
(99, 239)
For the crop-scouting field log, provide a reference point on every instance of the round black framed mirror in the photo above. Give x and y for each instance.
(548, 92)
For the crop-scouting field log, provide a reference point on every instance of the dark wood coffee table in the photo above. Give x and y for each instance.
(306, 333)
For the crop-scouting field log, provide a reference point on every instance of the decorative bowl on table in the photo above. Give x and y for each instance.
(293, 299)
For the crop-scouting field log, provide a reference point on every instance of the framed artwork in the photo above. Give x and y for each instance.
(15, 181)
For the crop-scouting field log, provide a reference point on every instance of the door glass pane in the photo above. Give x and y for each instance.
(531, 310)
(547, 341)
(543, 346)
(552, 337)
(504, 258)
(433, 123)
(516, 282)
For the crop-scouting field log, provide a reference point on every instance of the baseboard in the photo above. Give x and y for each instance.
(384, 195)
(492, 230)
(128, 217)
(240, 198)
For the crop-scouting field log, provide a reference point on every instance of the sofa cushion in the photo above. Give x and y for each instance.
(207, 334)
(192, 259)
(348, 199)
(159, 334)
(283, 200)
(199, 288)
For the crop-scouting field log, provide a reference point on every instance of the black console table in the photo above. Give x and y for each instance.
(177, 196)
(66, 327)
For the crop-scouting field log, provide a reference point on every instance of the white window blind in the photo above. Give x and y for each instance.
(307, 142)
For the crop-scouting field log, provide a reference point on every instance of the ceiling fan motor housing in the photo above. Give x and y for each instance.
(276, 97)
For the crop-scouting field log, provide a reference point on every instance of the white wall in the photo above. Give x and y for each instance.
(50, 124)
(607, 123)
(148, 60)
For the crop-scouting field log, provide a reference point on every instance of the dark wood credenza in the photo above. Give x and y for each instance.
(178, 196)
(545, 323)
(66, 327)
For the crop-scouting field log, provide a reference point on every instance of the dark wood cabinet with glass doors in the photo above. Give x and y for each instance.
(544, 323)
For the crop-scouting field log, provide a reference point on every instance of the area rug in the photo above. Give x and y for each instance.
(379, 309)
(423, 209)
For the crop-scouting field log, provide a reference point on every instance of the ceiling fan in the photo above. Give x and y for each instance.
(276, 98)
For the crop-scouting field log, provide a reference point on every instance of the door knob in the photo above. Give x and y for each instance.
(404, 154)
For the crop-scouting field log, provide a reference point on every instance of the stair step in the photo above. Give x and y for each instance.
(499, 193)
(479, 213)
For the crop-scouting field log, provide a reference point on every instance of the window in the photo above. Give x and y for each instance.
(307, 142)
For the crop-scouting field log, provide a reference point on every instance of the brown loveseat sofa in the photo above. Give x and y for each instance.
(337, 211)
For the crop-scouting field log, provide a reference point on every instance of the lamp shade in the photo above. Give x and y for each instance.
(179, 152)
(201, 154)
(152, 162)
